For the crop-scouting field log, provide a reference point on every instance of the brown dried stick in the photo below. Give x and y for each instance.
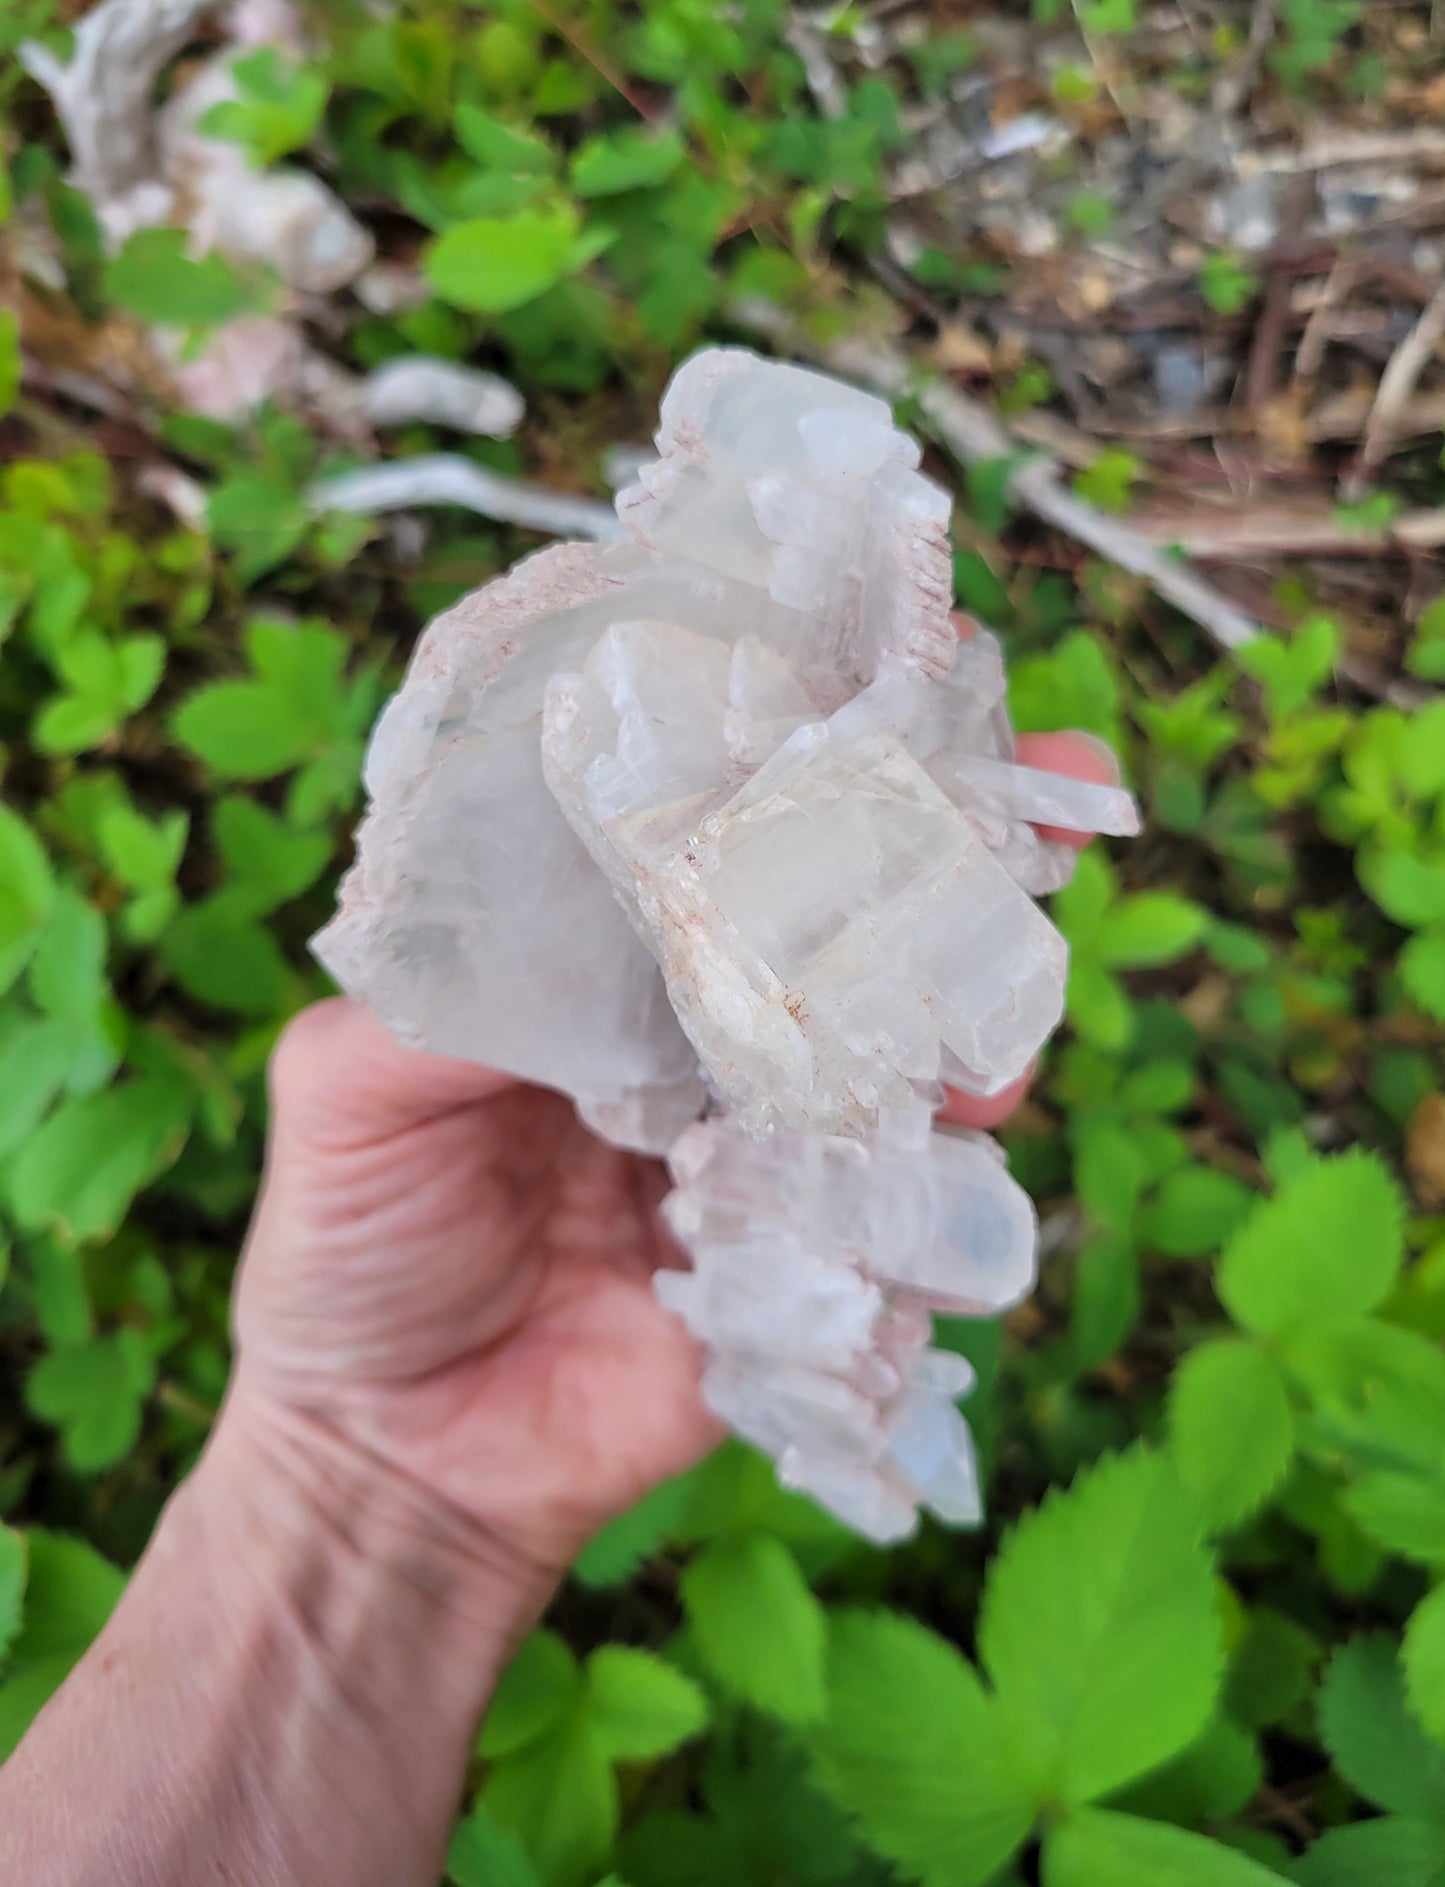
(1400, 378)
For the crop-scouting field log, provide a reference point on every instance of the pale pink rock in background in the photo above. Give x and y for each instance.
(719, 830)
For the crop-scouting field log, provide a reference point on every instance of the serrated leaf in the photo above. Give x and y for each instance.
(624, 1543)
(94, 1393)
(1394, 1851)
(70, 1591)
(1271, 1669)
(538, 1689)
(560, 1795)
(757, 1624)
(639, 1707)
(1231, 1430)
(1327, 1245)
(80, 1170)
(1215, 1777)
(914, 1748)
(1423, 1657)
(483, 1855)
(1373, 1740)
(1097, 1848)
(1099, 1630)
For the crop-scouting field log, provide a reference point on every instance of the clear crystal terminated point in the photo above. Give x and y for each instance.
(720, 830)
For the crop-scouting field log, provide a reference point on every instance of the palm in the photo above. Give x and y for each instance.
(443, 1258)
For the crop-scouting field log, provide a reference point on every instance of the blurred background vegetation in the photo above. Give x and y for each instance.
(1188, 252)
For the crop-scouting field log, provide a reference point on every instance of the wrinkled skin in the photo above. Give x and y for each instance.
(450, 1271)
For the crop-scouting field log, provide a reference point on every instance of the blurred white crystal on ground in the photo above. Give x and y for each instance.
(719, 829)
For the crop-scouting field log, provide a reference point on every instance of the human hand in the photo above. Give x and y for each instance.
(449, 1271)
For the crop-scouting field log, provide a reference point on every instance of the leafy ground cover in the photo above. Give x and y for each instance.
(1200, 1639)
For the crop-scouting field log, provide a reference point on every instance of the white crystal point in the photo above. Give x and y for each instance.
(815, 1262)
(719, 831)
(800, 487)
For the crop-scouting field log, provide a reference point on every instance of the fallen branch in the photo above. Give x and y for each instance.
(1399, 380)
(444, 478)
(1219, 536)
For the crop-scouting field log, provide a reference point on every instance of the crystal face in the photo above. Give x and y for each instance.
(719, 829)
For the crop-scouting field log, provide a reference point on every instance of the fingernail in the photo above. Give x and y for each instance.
(1104, 751)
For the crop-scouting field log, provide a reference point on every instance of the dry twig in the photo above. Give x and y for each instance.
(1399, 379)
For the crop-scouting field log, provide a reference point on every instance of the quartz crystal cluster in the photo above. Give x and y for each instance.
(719, 829)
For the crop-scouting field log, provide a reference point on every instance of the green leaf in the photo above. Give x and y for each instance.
(245, 730)
(483, 1855)
(1217, 1776)
(26, 889)
(1422, 971)
(639, 1707)
(757, 1624)
(1394, 1851)
(1272, 1669)
(560, 1795)
(1096, 1848)
(269, 861)
(80, 1170)
(1327, 1245)
(1099, 1630)
(94, 1394)
(1423, 1657)
(14, 1559)
(34, 1061)
(1149, 928)
(615, 1553)
(538, 1690)
(70, 1592)
(627, 159)
(279, 108)
(220, 955)
(1098, 1007)
(498, 146)
(67, 971)
(1292, 669)
(1373, 1740)
(1108, 1173)
(1226, 284)
(491, 264)
(1194, 1211)
(915, 1749)
(1106, 1299)
(261, 520)
(154, 278)
(1230, 1428)
(1407, 888)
